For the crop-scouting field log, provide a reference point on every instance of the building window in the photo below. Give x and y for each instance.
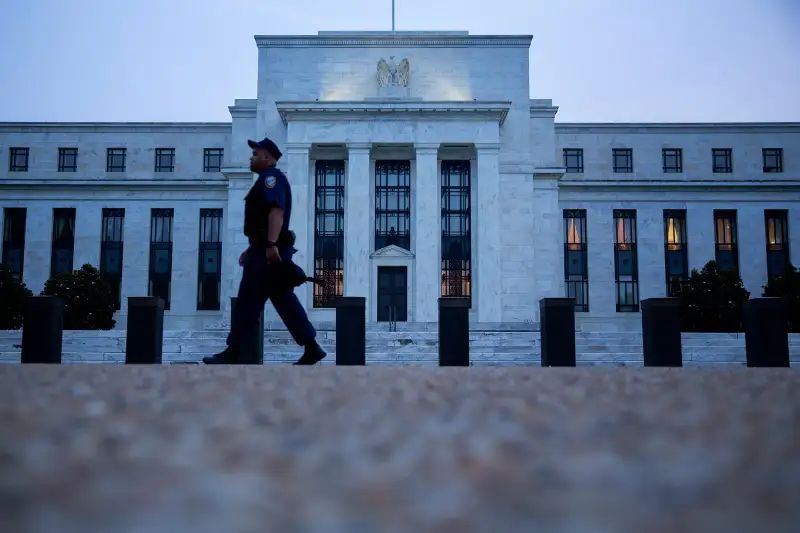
(212, 159)
(392, 204)
(63, 243)
(676, 250)
(456, 229)
(209, 274)
(777, 227)
(111, 250)
(165, 159)
(160, 277)
(726, 250)
(772, 159)
(14, 240)
(623, 160)
(723, 160)
(672, 160)
(626, 268)
(18, 159)
(576, 258)
(573, 160)
(67, 159)
(328, 232)
(115, 159)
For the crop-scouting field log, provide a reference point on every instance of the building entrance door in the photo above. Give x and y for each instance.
(392, 294)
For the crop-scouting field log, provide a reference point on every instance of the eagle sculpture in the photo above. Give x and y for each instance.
(384, 73)
(402, 73)
(393, 75)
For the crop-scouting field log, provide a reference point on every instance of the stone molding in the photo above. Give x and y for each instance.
(116, 127)
(419, 110)
(677, 127)
(397, 39)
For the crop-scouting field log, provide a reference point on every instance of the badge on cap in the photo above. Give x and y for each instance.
(270, 181)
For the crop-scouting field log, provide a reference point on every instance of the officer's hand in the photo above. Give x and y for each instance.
(241, 258)
(273, 255)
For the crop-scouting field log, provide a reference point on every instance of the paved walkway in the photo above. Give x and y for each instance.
(174, 449)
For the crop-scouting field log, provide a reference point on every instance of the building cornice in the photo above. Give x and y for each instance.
(115, 184)
(677, 127)
(694, 185)
(361, 110)
(116, 127)
(384, 39)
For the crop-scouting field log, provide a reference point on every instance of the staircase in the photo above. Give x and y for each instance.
(411, 344)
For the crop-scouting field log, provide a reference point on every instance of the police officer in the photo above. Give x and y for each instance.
(267, 213)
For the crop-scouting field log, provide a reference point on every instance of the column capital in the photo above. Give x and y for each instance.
(426, 147)
(297, 148)
(356, 147)
(487, 147)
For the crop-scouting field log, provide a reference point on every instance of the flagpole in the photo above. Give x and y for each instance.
(392, 16)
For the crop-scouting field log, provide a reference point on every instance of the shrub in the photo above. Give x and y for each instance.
(12, 300)
(711, 300)
(88, 298)
(787, 286)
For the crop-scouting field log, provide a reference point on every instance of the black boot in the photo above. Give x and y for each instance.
(312, 354)
(228, 356)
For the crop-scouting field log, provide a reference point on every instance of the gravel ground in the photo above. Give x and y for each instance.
(124, 449)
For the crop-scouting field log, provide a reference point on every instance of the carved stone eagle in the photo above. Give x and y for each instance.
(402, 73)
(384, 74)
(392, 74)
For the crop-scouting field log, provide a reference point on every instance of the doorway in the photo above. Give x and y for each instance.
(392, 294)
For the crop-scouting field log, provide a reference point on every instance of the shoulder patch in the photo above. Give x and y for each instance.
(270, 181)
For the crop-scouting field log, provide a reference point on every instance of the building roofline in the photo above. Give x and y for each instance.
(6, 127)
(627, 126)
(380, 39)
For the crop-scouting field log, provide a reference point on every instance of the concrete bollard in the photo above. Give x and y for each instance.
(144, 339)
(661, 332)
(42, 330)
(558, 331)
(454, 331)
(351, 331)
(766, 330)
(257, 357)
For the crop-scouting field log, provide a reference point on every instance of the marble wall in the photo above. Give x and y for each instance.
(311, 97)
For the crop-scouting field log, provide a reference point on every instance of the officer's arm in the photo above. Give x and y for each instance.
(275, 196)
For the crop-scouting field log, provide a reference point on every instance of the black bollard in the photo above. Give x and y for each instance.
(144, 339)
(42, 330)
(454, 331)
(257, 357)
(661, 332)
(351, 331)
(766, 332)
(557, 316)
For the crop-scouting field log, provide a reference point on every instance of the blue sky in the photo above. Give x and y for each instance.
(599, 60)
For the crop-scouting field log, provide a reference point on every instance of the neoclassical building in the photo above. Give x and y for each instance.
(420, 167)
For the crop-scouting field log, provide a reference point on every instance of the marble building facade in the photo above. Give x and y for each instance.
(420, 167)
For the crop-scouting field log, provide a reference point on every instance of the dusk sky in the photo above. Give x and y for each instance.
(599, 60)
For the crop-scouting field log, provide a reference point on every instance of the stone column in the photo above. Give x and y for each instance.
(548, 236)
(302, 211)
(88, 233)
(356, 222)
(488, 250)
(427, 235)
(239, 182)
(38, 245)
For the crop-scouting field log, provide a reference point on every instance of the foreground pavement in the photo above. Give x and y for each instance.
(122, 449)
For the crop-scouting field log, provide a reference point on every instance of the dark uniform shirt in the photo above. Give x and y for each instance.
(271, 189)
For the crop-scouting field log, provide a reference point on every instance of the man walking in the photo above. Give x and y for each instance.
(267, 213)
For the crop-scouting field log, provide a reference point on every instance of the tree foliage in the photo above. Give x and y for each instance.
(711, 300)
(88, 298)
(13, 294)
(787, 286)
